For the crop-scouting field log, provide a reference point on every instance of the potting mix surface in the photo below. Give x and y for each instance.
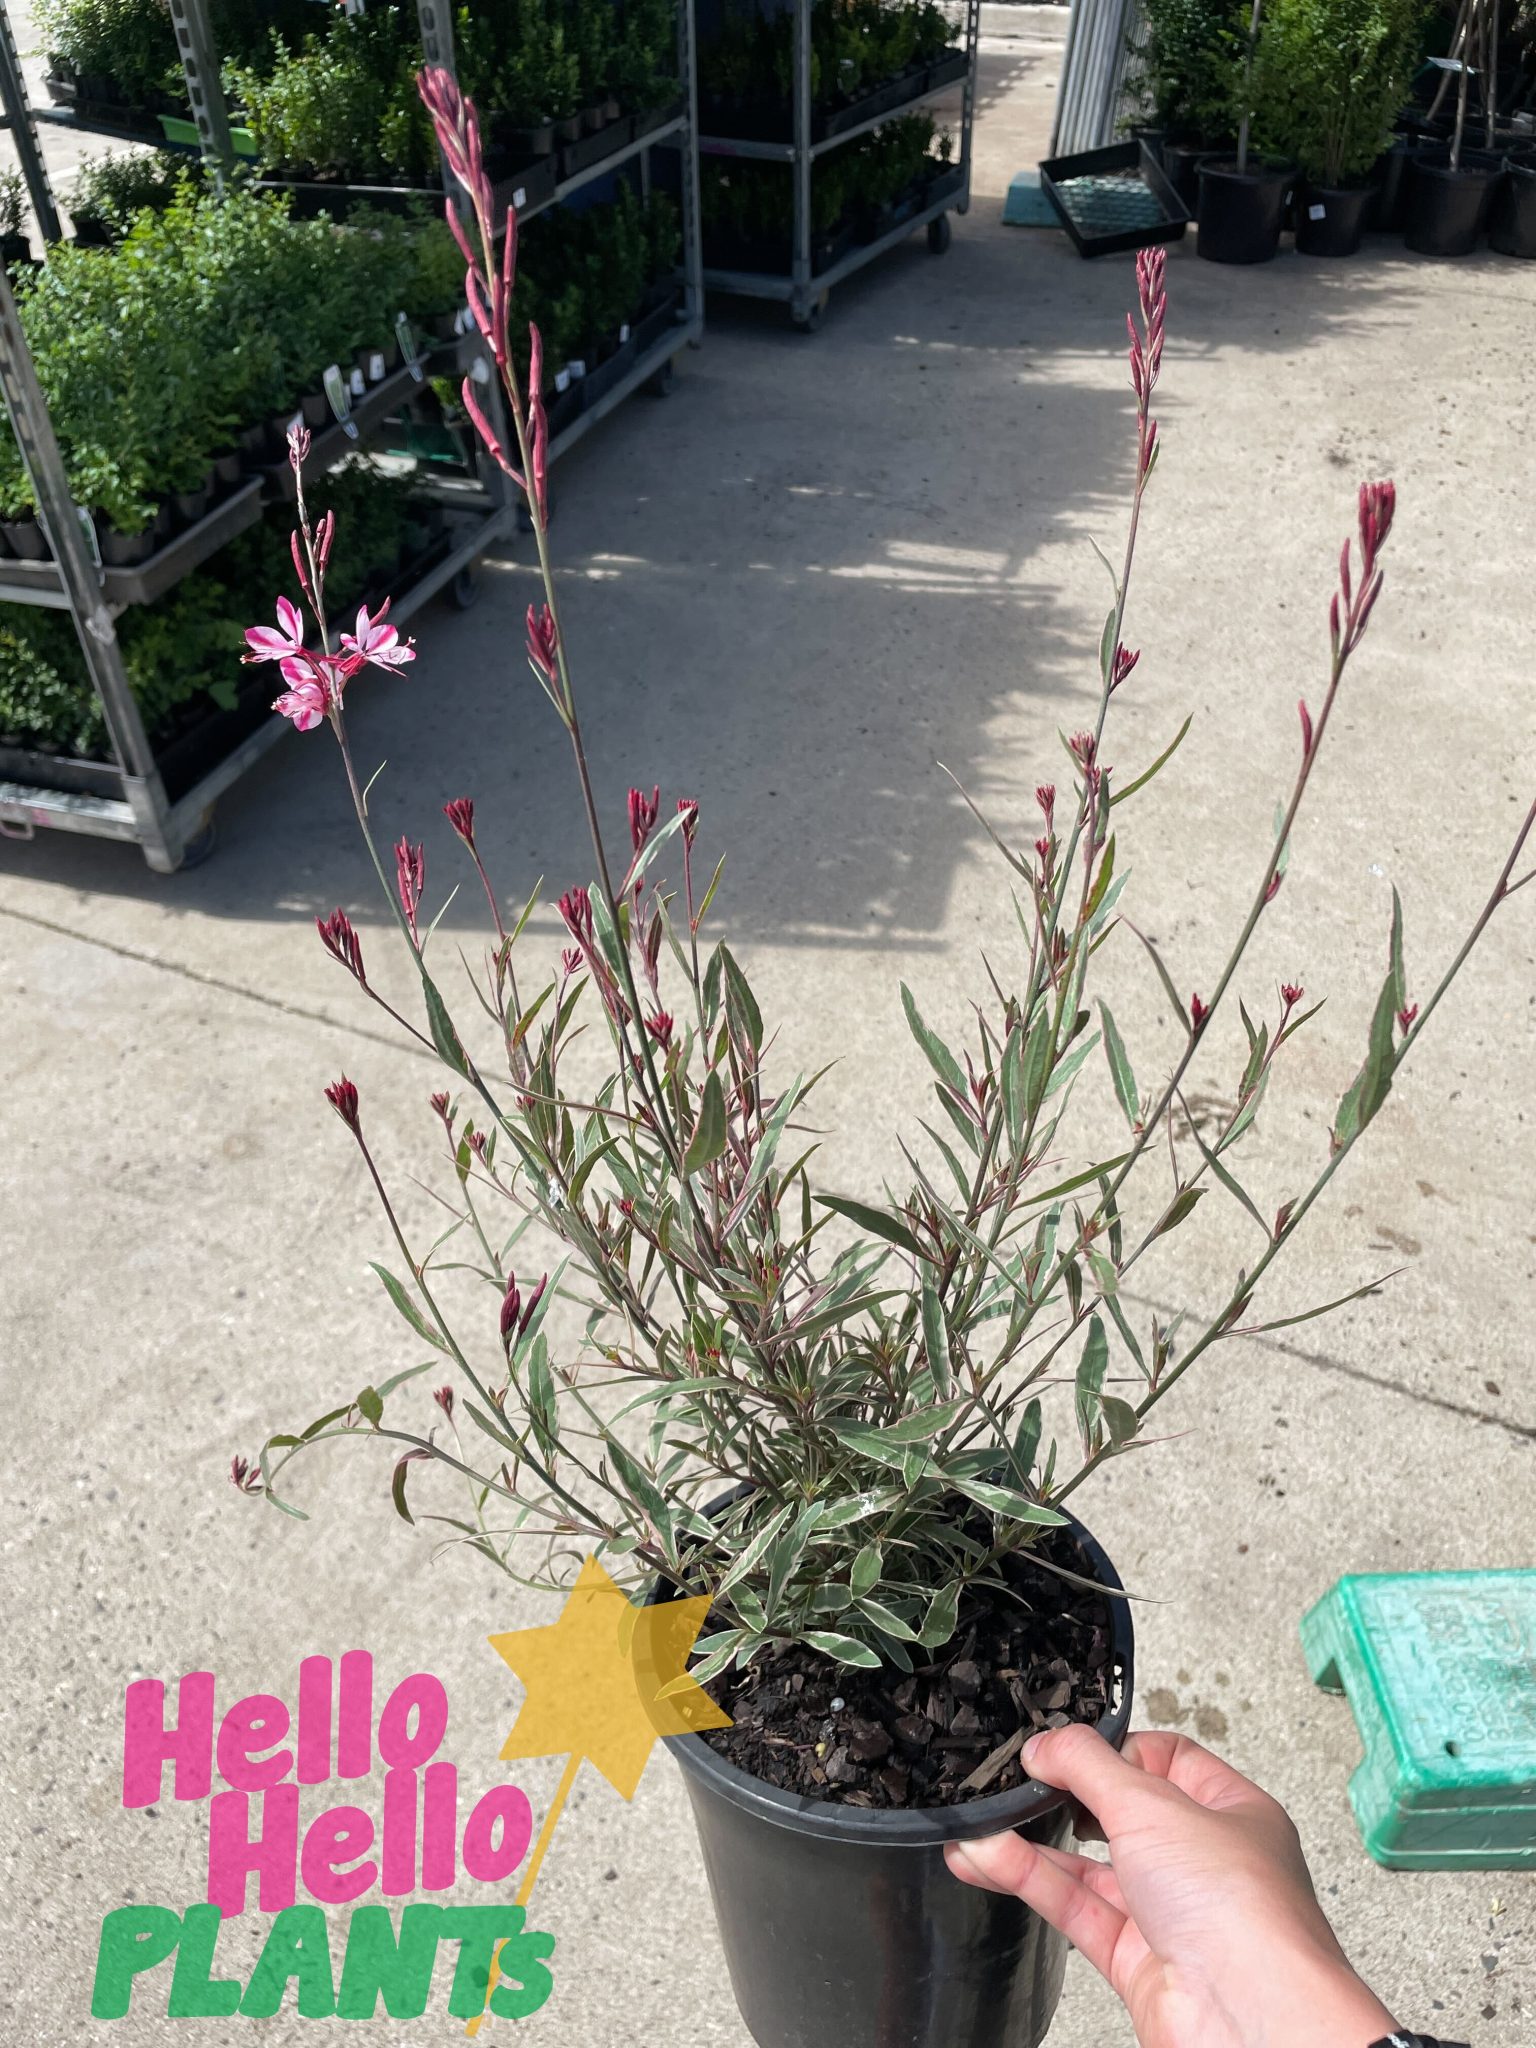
(947, 1732)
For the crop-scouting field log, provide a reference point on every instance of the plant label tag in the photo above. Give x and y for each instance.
(578, 367)
(519, 199)
(624, 334)
(480, 370)
(461, 320)
(562, 380)
(409, 353)
(1317, 213)
(375, 367)
(359, 383)
(87, 526)
(338, 391)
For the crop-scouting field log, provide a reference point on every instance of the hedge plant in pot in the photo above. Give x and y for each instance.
(1183, 83)
(1338, 71)
(1450, 191)
(831, 1417)
(1243, 199)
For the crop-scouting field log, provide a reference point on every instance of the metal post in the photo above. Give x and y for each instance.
(968, 99)
(688, 165)
(81, 579)
(200, 65)
(800, 268)
(18, 119)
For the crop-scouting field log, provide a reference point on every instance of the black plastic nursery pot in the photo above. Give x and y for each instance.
(842, 1926)
(1389, 183)
(1242, 212)
(1512, 220)
(1331, 219)
(1445, 212)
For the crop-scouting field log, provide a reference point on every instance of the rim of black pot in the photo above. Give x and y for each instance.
(918, 1827)
(1260, 171)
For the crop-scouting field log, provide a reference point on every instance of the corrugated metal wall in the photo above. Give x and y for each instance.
(1102, 37)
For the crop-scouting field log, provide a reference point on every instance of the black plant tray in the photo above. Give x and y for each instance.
(536, 181)
(331, 443)
(72, 773)
(650, 327)
(311, 196)
(658, 117)
(1114, 198)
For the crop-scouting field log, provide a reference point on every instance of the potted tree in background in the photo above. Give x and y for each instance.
(1336, 74)
(1183, 84)
(1450, 191)
(1242, 200)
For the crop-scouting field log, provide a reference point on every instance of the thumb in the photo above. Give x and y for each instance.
(1079, 1760)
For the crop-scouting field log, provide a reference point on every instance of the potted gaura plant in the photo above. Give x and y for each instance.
(833, 1416)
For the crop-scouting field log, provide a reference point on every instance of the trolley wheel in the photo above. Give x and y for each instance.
(466, 587)
(940, 234)
(659, 383)
(198, 848)
(809, 322)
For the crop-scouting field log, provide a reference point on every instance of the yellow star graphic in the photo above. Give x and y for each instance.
(606, 1681)
(595, 1679)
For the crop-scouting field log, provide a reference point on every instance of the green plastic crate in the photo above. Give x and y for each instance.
(1440, 1671)
(242, 141)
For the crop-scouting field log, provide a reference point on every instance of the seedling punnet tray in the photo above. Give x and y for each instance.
(1114, 198)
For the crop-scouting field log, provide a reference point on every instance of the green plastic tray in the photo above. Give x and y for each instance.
(1440, 1671)
(179, 130)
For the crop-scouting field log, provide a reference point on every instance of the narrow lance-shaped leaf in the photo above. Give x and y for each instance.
(936, 1338)
(1090, 1380)
(876, 1221)
(1120, 1068)
(709, 1133)
(938, 1054)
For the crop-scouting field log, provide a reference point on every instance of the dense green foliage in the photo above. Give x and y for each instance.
(156, 353)
(855, 46)
(582, 276)
(1188, 69)
(1329, 78)
(755, 201)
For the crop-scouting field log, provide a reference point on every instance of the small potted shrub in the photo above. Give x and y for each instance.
(856, 1425)
(1338, 71)
(1243, 198)
(14, 244)
(1183, 83)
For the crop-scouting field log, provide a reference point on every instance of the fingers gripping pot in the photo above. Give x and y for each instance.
(842, 1924)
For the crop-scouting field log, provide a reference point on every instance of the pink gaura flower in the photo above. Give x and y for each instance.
(283, 643)
(306, 704)
(376, 642)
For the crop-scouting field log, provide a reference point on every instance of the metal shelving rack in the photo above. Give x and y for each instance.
(806, 290)
(173, 834)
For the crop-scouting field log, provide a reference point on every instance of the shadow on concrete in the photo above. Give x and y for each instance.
(785, 588)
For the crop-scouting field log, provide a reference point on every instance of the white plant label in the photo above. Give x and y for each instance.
(562, 380)
(578, 368)
(1317, 213)
(358, 382)
(624, 334)
(519, 199)
(375, 367)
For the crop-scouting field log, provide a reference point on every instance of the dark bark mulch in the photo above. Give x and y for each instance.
(950, 1731)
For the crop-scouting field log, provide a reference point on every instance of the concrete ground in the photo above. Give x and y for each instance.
(814, 570)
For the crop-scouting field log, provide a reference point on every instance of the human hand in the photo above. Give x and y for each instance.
(1204, 1919)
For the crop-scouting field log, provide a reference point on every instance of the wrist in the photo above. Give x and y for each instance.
(1323, 2003)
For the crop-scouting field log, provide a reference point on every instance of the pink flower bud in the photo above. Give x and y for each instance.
(1045, 797)
(643, 812)
(543, 644)
(1197, 1012)
(1378, 504)
(296, 549)
(342, 1096)
(460, 814)
(245, 1476)
(1405, 1017)
(689, 806)
(439, 1103)
(298, 448)
(531, 1307)
(576, 910)
(1125, 660)
(1084, 746)
(443, 1396)
(511, 1308)
(661, 1027)
(1273, 889)
(1306, 727)
(340, 940)
(410, 878)
(571, 961)
(325, 534)
(1291, 993)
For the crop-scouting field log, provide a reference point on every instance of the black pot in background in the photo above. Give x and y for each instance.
(1181, 167)
(189, 506)
(26, 539)
(1446, 211)
(252, 443)
(1331, 219)
(91, 232)
(1241, 212)
(1512, 217)
(1389, 180)
(123, 550)
(15, 249)
(316, 408)
(842, 1926)
(568, 129)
